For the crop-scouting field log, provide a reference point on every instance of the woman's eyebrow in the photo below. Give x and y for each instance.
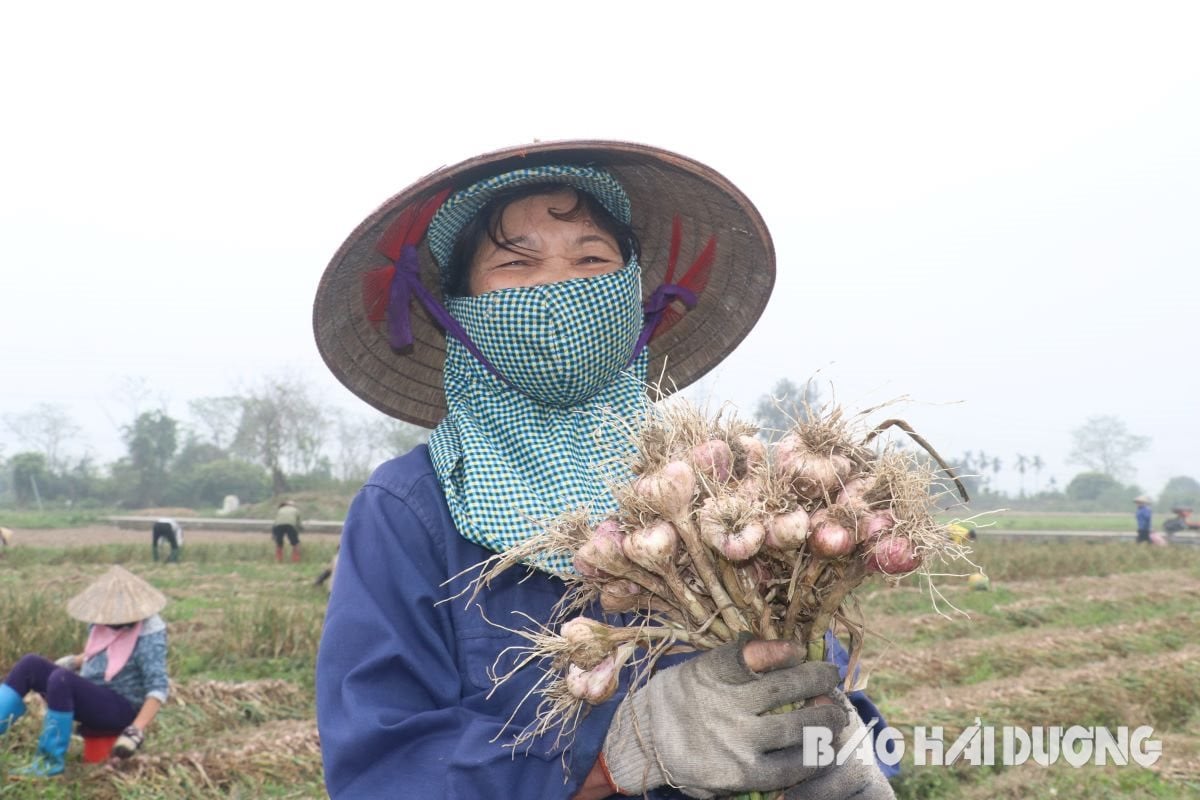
(588, 238)
(519, 242)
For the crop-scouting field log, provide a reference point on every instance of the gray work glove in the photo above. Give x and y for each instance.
(855, 779)
(701, 726)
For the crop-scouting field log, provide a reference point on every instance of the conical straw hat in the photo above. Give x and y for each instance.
(115, 598)
(662, 188)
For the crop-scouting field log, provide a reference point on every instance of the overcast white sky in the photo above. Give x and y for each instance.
(993, 210)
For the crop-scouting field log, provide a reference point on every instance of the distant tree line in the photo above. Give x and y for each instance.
(277, 437)
(266, 441)
(1102, 446)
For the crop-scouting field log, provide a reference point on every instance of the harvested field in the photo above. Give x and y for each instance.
(1093, 635)
(1121, 648)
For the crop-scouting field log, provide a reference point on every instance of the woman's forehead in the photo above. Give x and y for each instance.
(547, 208)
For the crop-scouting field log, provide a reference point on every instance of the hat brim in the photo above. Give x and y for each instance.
(117, 597)
(660, 185)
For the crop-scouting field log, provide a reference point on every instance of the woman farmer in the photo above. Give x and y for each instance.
(569, 271)
(287, 523)
(118, 683)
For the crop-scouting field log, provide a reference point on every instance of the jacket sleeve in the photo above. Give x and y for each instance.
(397, 716)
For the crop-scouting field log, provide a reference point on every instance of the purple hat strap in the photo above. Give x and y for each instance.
(406, 283)
(655, 306)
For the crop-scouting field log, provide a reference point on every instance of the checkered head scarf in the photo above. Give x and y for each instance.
(525, 437)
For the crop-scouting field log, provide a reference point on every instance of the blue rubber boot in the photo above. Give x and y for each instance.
(51, 758)
(11, 706)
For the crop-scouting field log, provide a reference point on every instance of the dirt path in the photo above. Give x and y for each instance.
(110, 534)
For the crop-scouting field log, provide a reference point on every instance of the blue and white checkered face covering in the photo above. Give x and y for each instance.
(512, 457)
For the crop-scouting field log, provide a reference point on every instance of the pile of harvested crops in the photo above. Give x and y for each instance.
(720, 534)
(228, 694)
(246, 743)
(279, 751)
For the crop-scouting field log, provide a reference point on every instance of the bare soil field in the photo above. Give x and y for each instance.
(110, 534)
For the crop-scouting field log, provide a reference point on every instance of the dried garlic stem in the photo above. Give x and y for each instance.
(740, 587)
(837, 592)
(706, 571)
(808, 579)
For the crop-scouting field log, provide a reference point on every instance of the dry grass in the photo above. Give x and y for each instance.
(277, 751)
(1051, 642)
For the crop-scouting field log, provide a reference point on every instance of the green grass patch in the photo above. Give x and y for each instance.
(53, 517)
(1032, 560)
(1059, 781)
(1034, 521)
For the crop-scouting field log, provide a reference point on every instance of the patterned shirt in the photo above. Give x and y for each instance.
(144, 674)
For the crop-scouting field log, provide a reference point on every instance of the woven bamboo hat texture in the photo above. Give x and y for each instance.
(683, 212)
(115, 598)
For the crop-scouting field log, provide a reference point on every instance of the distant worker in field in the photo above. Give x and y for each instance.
(961, 534)
(170, 531)
(1142, 515)
(1182, 521)
(117, 684)
(6, 536)
(287, 523)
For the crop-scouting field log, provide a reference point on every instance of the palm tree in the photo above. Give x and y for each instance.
(1022, 463)
(1037, 465)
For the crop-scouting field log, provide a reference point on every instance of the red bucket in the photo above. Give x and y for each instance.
(97, 749)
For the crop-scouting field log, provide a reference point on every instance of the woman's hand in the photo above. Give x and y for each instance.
(71, 662)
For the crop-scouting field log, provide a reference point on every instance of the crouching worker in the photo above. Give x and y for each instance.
(169, 531)
(118, 682)
(1180, 522)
